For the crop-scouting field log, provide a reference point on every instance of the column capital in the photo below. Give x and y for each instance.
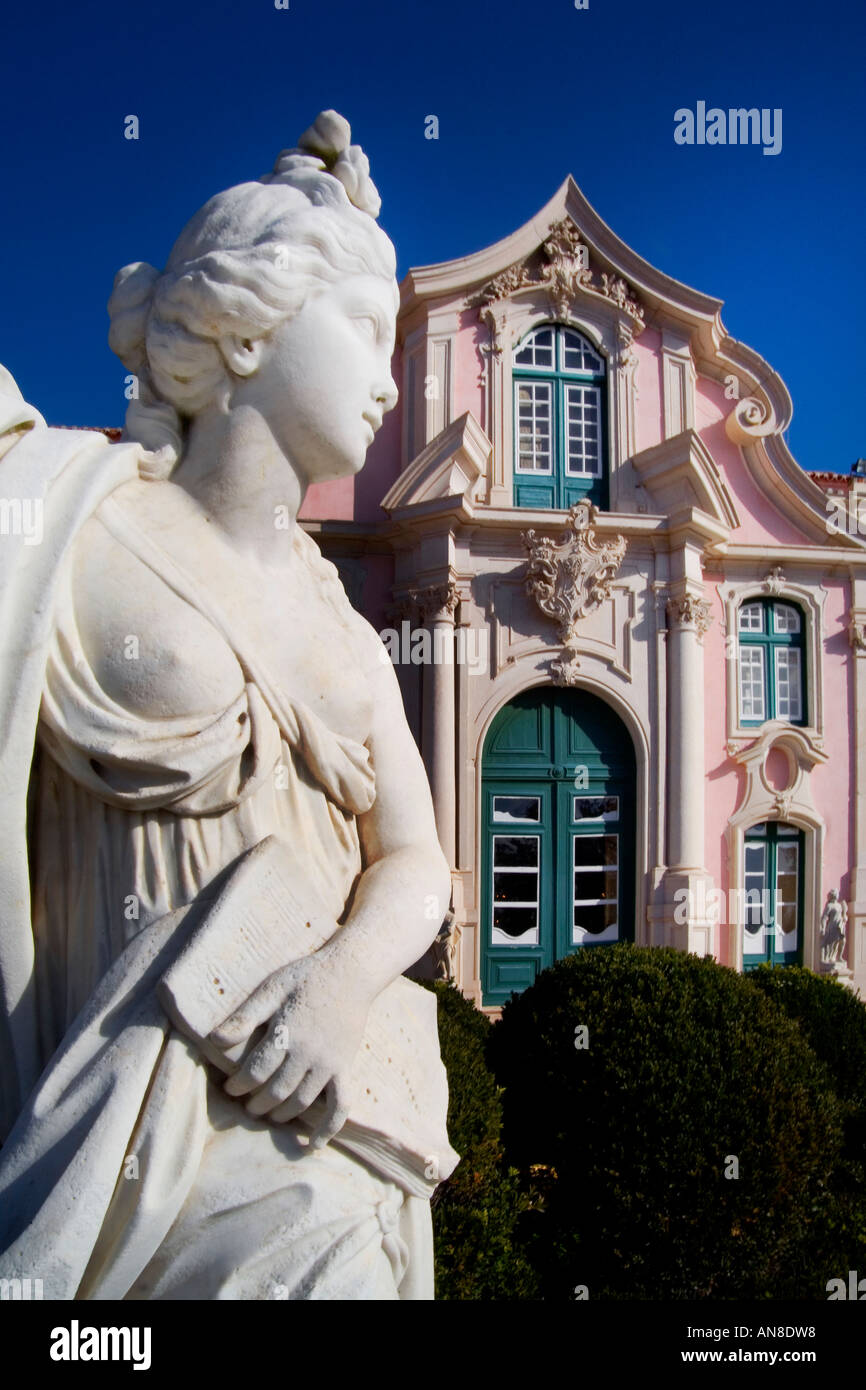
(437, 602)
(689, 611)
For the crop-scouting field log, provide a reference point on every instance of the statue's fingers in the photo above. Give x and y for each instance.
(281, 1086)
(261, 1064)
(257, 1009)
(310, 1088)
(337, 1097)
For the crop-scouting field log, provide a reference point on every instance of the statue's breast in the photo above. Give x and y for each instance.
(157, 655)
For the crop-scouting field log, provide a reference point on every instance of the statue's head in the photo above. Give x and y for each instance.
(278, 295)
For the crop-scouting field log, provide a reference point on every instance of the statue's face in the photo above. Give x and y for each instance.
(324, 379)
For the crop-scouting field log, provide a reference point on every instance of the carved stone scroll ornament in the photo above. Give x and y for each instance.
(750, 420)
(571, 578)
(564, 271)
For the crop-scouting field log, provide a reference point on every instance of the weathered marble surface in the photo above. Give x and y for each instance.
(196, 682)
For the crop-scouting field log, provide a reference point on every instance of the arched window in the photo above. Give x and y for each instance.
(559, 420)
(771, 655)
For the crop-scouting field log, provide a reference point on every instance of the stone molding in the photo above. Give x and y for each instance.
(564, 272)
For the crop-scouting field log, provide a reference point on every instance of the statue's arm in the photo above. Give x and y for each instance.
(403, 894)
(316, 1008)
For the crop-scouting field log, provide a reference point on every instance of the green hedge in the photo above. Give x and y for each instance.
(476, 1211)
(688, 1065)
(833, 1021)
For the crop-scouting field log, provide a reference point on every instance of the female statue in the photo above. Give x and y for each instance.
(198, 686)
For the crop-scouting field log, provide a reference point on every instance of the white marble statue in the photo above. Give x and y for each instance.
(197, 684)
(834, 933)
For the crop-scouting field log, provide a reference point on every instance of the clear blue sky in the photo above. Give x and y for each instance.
(525, 94)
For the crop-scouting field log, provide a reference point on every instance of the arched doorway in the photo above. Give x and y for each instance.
(558, 835)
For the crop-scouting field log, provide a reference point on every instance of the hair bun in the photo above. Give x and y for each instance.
(326, 146)
(129, 309)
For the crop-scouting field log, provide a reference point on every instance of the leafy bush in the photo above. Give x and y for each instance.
(688, 1067)
(833, 1022)
(475, 1212)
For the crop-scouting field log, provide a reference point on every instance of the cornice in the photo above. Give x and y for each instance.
(823, 556)
(681, 477)
(448, 467)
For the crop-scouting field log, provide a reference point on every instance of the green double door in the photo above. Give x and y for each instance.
(558, 808)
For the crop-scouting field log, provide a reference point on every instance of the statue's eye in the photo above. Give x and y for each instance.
(369, 323)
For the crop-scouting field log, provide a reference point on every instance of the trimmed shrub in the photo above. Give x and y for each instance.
(833, 1022)
(691, 1075)
(475, 1211)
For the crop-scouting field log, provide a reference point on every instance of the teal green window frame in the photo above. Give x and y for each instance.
(770, 837)
(768, 641)
(558, 489)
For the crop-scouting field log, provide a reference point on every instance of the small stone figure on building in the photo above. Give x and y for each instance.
(834, 930)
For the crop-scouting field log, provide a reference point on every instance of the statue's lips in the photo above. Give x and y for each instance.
(374, 421)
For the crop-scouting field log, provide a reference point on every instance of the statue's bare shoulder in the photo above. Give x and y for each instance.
(151, 652)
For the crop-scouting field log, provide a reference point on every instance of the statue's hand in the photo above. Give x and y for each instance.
(314, 1032)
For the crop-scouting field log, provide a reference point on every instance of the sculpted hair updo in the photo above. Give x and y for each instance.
(245, 262)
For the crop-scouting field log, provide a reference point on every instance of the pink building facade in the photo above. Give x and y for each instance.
(629, 629)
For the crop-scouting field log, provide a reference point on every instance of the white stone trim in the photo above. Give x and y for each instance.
(678, 383)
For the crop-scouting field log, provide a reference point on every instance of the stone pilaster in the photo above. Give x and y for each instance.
(686, 883)
(437, 606)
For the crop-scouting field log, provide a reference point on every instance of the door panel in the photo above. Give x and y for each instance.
(558, 827)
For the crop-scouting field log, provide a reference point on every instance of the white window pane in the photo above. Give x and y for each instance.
(583, 431)
(595, 888)
(516, 871)
(600, 808)
(533, 427)
(788, 693)
(787, 861)
(578, 356)
(752, 618)
(752, 683)
(785, 618)
(516, 852)
(536, 350)
(756, 904)
(511, 808)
